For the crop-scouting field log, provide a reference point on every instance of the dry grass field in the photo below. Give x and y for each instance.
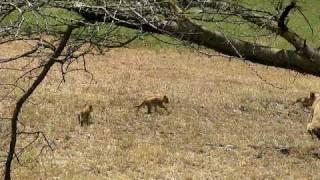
(224, 122)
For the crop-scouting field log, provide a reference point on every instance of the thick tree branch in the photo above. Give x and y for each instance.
(270, 24)
(183, 28)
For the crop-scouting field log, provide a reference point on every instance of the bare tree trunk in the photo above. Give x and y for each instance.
(271, 24)
(185, 29)
(26, 95)
(304, 59)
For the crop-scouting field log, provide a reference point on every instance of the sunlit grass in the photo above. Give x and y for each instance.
(220, 110)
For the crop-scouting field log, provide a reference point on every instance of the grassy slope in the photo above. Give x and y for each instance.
(225, 121)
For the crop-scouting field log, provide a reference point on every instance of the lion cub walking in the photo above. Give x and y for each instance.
(154, 101)
(84, 115)
(307, 101)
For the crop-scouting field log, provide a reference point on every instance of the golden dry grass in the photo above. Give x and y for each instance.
(225, 122)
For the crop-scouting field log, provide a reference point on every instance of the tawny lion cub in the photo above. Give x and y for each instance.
(154, 101)
(308, 101)
(313, 128)
(84, 115)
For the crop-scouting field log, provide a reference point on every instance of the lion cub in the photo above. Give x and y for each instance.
(308, 101)
(84, 115)
(154, 101)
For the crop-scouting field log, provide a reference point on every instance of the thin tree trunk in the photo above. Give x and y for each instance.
(26, 95)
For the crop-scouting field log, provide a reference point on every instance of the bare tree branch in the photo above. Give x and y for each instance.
(22, 100)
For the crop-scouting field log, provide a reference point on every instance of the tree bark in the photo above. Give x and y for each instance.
(234, 47)
(272, 24)
(304, 60)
